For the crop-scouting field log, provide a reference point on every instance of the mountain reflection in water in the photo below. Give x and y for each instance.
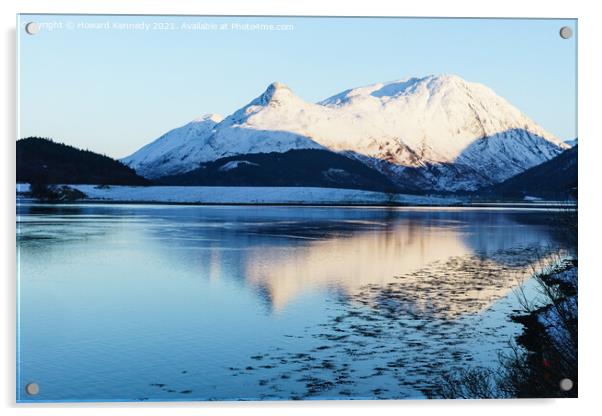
(445, 265)
(196, 303)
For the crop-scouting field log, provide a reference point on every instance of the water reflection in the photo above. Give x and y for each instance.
(349, 263)
(462, 265)
(286, 252)
(118, 300)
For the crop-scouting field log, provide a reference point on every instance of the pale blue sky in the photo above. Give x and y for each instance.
(114, 90)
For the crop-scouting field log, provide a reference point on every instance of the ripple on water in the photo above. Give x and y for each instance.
(394, 341)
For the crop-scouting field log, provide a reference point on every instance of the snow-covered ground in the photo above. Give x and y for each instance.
(247, 195)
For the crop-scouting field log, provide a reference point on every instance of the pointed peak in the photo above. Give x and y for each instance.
(276, 92)
(277, 85)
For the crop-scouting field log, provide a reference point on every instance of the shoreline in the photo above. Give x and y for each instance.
(266, 196)
(492, 206)
(549, 333)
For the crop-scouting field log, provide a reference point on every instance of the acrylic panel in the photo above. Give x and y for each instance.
(284, 208)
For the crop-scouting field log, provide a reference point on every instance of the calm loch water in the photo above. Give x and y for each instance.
(143, 302)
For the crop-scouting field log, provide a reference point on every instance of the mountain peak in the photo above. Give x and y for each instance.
(448, 80)
(428, 85)
(216, 118)
(276, 92)
(446, 77)
(452, 133)
(277, 85)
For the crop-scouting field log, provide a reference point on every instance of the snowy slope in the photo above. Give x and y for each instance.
(183, 149)
(176, 151)
(439, 132)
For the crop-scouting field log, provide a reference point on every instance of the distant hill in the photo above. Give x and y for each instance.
(554, 179)
(45, 161)
(308, 167)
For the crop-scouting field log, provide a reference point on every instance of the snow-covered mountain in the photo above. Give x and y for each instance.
(176, 151)
(436, 132)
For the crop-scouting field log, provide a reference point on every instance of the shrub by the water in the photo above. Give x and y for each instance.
(55, 193)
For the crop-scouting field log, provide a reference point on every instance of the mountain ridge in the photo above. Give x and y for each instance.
(442, 132)
(553, 179)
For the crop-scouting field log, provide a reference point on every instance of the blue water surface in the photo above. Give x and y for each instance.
(160, 303)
